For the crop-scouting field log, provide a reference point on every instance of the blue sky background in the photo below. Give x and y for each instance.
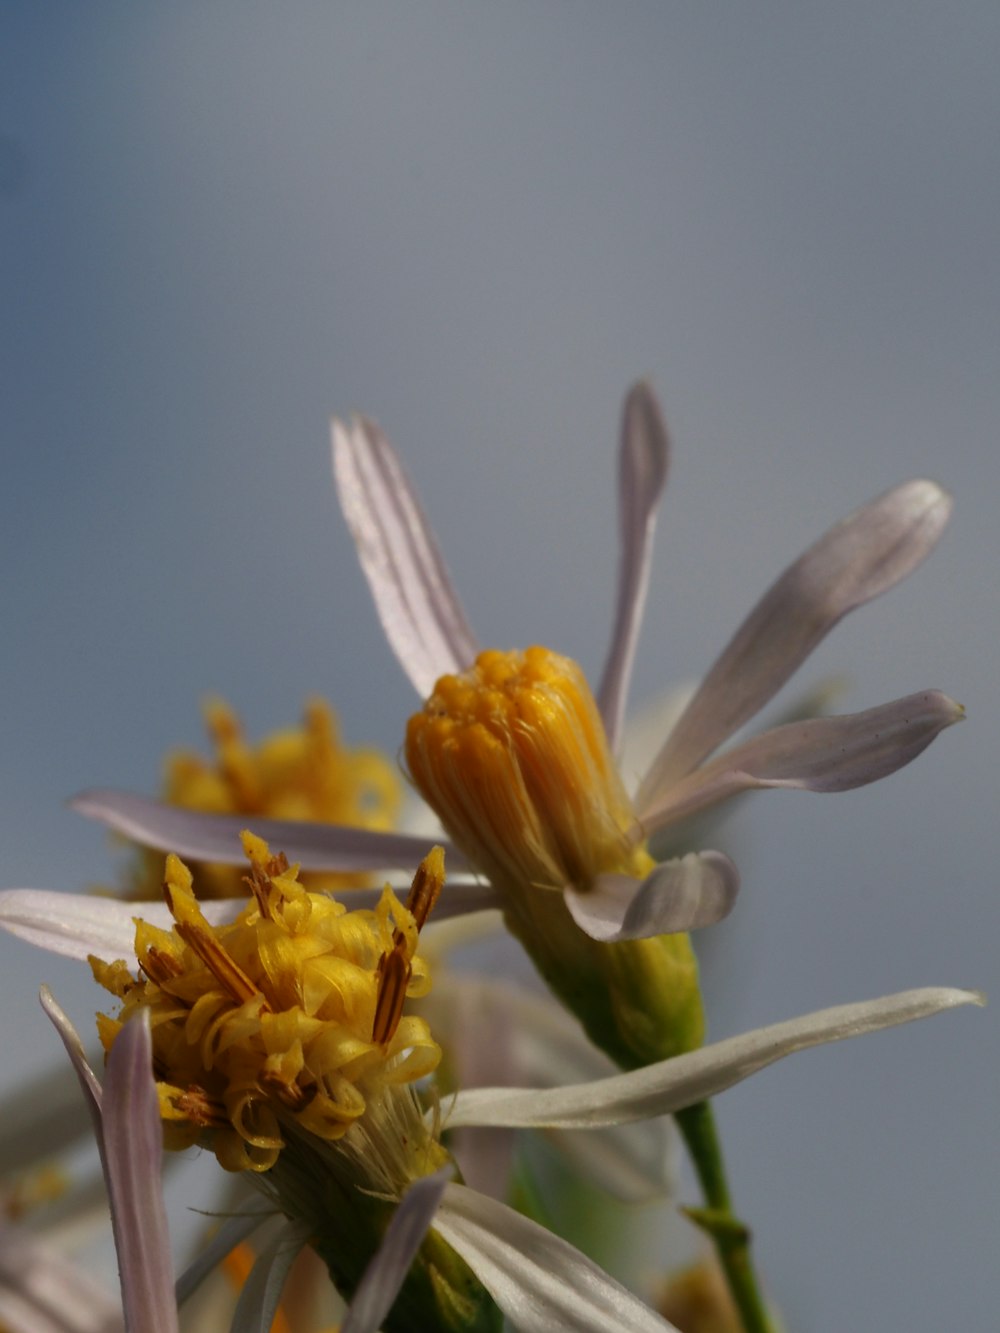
(223, 222)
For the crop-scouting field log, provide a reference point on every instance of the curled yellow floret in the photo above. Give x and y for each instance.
(291, 1017)
(301, 773)
(513, 757)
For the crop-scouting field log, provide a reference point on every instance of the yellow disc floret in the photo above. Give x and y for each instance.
(288, 1019)
(302, 773)
(513, 757)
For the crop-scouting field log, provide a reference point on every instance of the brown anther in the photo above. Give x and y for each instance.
(393, 978)
(427, 885)
(201, 941)
(260, 877)
(195, 1105)
(293, 1095)
(159, 966)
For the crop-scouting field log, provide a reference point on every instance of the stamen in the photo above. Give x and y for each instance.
(395, 969)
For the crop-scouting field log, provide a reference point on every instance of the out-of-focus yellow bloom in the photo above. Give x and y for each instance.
(303, 773)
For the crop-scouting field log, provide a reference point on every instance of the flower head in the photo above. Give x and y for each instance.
(291, 1014)
(531, 797)
(299, 773)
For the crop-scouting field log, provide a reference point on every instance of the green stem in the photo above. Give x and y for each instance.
(730, 1236)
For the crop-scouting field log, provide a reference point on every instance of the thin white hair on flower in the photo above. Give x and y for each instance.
(126, 1115)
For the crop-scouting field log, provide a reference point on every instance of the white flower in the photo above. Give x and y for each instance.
(857, 559)
(539, 1281)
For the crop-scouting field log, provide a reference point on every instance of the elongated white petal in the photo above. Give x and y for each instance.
(539, 1045)
(859, 558)
(233, 1232)
(74, 1049)
(133, 1147)
(413, 593)
(642, 474)
(404, 1236)
(540, 1282)
(201, 837)
(77, 925)
(824, 754)
(684, 894)
(261, 1292)
(42, 1292)
(671, 1085)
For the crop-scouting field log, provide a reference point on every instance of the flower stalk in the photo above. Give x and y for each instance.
(729, 1235)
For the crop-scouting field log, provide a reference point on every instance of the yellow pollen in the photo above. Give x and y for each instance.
(513, 757)
(292, 1015)
(302, 773)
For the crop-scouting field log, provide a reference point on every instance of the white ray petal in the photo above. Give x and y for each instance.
(77, 924)
(540, 1282)
(680, 895)
(202, 837)
(234, 1230)
(258, 1303)
(860, 557)
(642, 475)
(42, 1292)
(820, 754)
(413, 593)
(133, 1147)
(387, 1270)
(686, 1079)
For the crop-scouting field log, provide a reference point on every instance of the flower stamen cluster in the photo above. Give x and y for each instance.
(289, 1018)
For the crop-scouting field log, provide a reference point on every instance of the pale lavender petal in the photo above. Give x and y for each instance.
(262, 1290)
(859, 558)
(42, 1292)
(680, 895)
(671, 1085)
(382, 1279)
(233, 1232)
(74, 1049)
(540, 1282)
(133, 1145)
(822, 754)
(642, 474)
(201, 837)
(416, 603)
(77, 924)
(541, 1045)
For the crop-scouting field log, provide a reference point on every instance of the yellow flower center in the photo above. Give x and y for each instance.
(289, 1019)
(304, 773)
(513, 757)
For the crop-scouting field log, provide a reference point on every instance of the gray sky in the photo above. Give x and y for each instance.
(223, 222)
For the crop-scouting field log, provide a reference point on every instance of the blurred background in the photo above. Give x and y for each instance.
(222, 223)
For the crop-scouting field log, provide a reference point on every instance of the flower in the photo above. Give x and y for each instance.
(537, 1280)
(128, 1126)
(298, 773)
(516, 756)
